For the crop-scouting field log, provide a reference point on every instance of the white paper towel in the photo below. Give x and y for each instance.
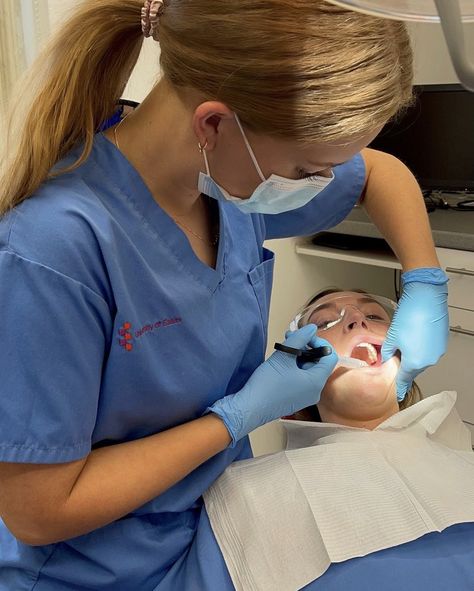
(340, 492)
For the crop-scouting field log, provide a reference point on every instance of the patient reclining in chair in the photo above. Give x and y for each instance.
(361, 472)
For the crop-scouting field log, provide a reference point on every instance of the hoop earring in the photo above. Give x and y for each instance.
(202, 148)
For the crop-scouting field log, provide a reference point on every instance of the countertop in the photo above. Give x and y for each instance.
(451, 229)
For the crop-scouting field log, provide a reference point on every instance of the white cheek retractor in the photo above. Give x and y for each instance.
(351, 363)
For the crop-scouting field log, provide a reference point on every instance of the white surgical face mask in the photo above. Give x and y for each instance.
(273, 195)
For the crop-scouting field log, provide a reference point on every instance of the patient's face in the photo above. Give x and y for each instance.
(364, 394)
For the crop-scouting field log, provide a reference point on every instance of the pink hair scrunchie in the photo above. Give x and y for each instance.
(151, 13)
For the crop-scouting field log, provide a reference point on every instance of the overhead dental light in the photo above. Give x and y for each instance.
(450, 13)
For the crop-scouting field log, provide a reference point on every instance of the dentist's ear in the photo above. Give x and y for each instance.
(207, 121)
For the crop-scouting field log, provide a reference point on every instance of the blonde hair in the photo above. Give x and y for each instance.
(295, 69)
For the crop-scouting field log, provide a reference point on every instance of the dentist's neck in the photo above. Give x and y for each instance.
(158, 140)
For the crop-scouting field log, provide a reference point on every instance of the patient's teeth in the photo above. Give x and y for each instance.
(371, 350)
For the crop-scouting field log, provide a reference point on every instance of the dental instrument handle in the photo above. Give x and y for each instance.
(312, 354)
(351, 363)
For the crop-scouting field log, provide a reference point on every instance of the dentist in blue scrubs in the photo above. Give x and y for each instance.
(134, 284)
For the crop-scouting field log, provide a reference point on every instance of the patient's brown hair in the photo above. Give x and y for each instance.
(311, 413)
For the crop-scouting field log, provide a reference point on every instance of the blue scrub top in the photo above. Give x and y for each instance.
(114, 330)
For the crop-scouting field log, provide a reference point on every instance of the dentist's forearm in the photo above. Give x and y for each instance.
(68, 500)
(394, 202)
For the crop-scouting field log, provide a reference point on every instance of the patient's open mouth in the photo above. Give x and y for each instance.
(368, 352)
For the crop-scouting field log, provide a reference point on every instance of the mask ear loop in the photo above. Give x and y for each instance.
(249, 148)
(202, 150)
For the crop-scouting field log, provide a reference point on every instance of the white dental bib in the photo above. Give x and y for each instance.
(338, 492)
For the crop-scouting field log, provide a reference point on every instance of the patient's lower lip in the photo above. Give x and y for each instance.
(379, 366)
(373, 365)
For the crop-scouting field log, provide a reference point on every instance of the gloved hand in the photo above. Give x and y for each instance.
(278, 387)
(420, 327)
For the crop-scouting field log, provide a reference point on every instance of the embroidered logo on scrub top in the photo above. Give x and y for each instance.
(127, 336)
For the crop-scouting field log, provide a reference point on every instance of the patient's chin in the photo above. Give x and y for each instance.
(361, 393)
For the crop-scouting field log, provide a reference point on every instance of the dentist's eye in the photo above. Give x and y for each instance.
(303, 174)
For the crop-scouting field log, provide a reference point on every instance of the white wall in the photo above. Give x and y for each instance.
(146, 72)
(432, 61)
(298, 277)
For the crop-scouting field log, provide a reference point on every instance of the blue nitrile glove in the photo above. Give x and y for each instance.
(420, 327)
(278, 387)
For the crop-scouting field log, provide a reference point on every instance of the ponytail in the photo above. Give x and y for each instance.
(77, 78)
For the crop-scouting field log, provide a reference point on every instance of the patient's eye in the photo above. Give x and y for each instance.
(323, 322)
(374, 317)
(304, 174)
(376, 313)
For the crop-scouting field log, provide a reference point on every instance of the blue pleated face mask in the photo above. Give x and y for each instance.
(276, 194)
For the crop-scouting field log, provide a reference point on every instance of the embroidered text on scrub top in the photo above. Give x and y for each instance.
(127, 336)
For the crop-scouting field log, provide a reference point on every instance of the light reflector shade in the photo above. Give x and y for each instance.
(407, 10)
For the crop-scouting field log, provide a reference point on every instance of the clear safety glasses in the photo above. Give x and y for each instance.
(376, 310)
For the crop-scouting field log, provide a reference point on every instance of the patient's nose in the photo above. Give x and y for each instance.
(354, 318)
